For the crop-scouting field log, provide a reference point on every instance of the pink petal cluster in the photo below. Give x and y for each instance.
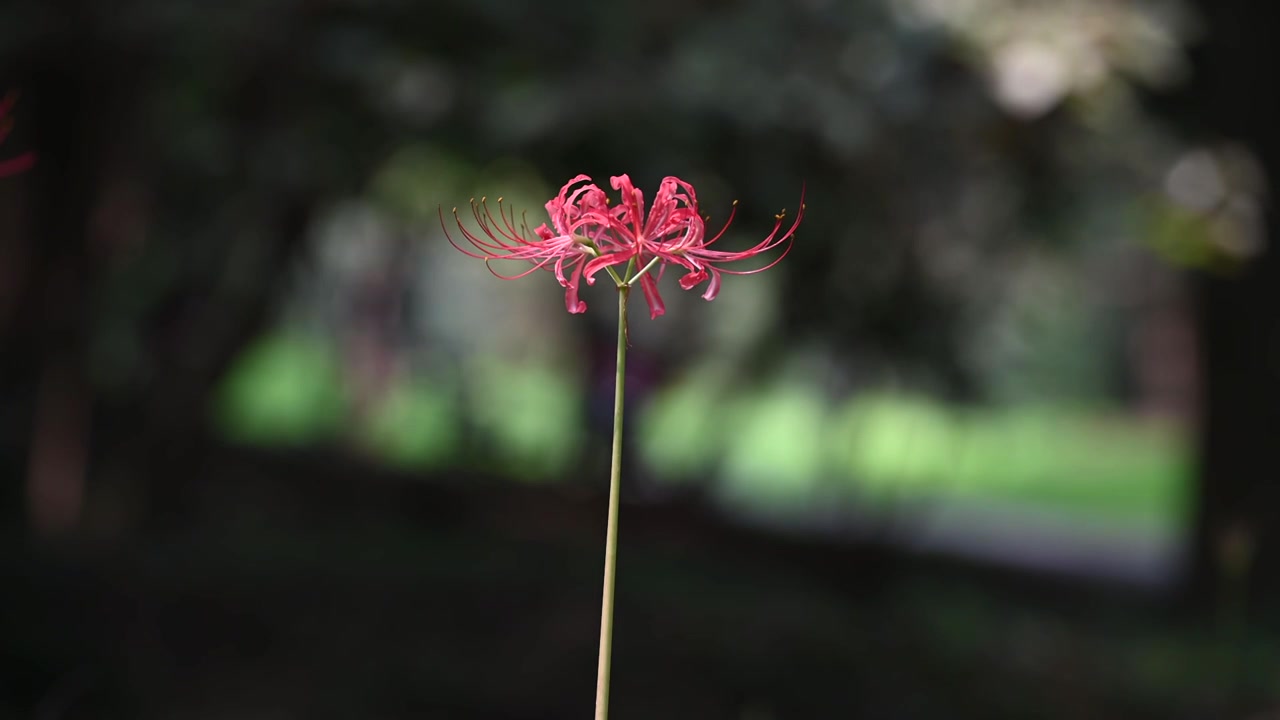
(23, 162)
(588, 234)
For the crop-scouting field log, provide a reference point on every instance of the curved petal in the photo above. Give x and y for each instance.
(571, 301)
(713, 288)
(690, 281)
(595, 265)
(664, 205)
(632, 200)
(579, 178)
(649, 285)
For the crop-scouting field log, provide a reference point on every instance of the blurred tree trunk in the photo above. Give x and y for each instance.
(1237, 533)
(47, 366)
(98, 196)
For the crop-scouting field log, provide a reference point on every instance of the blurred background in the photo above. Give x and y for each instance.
(997, 439)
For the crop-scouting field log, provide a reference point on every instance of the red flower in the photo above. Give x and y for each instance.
(23, 162)
(587, 235)
(674, 233)
(581, 242)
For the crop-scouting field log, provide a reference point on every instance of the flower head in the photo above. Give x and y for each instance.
(674, 233)
(23, 162)
(577, 244)
(587, 235)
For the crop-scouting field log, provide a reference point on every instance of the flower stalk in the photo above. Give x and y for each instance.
(611, 533)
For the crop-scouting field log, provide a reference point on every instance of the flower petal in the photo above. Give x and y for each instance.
(632, 201)
(690, 281)
(649, 285)
(571, 301)
(713, 288)
(595, 265)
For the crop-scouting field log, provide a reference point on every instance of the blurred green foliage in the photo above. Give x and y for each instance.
(415, 426)
(531, 414)
(284, 389)
(784, 450)
(780, 449)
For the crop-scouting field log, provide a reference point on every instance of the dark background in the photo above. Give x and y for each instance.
(997, 439)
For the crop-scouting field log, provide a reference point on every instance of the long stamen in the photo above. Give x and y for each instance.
(541, 264)
(449, 237)
(481, 245)
(733, 210)
(512, 235)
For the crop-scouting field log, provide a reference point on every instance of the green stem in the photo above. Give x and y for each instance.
(636, 278)
(611, 536)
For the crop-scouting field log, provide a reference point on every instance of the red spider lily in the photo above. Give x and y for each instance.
(701, 262)
(23, 162)
(674, 233)
(589, 236)
(581, 242)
